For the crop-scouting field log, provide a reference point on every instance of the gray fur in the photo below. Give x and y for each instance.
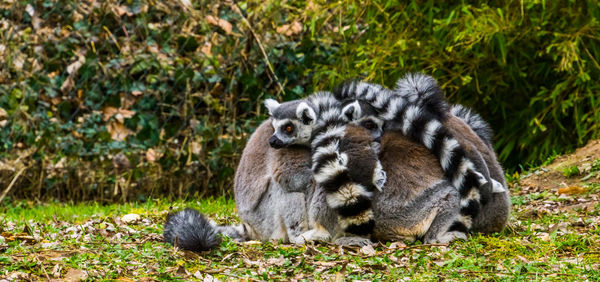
(321, 117)
(414, 182)
(418, 100)
(495, 213)
(190, 230)
(267, 179)
(475, 121)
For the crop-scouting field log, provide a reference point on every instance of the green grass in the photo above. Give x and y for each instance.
(539, 243)
(571, 171)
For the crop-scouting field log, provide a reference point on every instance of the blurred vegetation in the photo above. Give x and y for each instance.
(124, 99)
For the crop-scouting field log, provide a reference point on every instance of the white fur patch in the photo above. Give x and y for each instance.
(446, 156)
(304, 108)
(372, 90)
(360, 87)
(352, 111)
(347, 194)
(271, 105)
(394, 107)
(465, 165)
(325, 150)
(412, 85)
(409, 116)
(480, 178)
(473, 195)
(379, 177)
(357, 220)
(335, 131)
(466, 220)
(328, 171)
(330, 114)
(431, 129)
(323, 98)
(381, 98)
(304, 132)
(343, 159)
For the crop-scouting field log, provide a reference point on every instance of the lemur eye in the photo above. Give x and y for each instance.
(370, 125)
(288, 129)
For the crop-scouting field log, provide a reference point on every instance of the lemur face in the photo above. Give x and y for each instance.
(364, 115)
(293, 123)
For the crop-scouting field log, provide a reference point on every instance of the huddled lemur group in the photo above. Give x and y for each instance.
(361, 164)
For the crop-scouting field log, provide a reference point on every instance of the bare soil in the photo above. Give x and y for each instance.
(574, 190)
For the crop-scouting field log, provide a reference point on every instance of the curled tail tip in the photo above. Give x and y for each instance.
(190, 230)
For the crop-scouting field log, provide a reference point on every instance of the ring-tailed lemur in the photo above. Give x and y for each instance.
(417, 109)
(413, 204)
(320, 121)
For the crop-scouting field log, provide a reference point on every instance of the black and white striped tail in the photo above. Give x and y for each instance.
(475, 121)
(417, 109)
(351, 200)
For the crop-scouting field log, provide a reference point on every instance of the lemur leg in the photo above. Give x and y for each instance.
(379, 177)
(294, 216)
(440, 230)
(353, 241)
(318, 233)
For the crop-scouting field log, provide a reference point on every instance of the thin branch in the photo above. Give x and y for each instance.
(237, 10)
(12, 183)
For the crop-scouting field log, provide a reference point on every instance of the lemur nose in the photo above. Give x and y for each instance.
(378, 139)
(275, 142)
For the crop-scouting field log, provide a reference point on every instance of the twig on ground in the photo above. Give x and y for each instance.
(43, 268)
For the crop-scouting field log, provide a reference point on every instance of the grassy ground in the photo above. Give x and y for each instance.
(550, 235)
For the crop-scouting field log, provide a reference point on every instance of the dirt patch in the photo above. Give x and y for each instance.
(569, 184)
(568, 172)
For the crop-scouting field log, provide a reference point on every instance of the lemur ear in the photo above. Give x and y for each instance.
(306, 114)
(352, 111)
(271, 105)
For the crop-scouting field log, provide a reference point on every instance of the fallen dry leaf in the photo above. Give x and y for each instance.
(196, 147)
(3, 113)
(75, 275)
(67, 85)
(118, 131)
(571, 190)
(368, 250)
(225, 25)
(206, 49)
(290, 29)
(152, 155)
(276, 261)
(131, 218)
(119, 114)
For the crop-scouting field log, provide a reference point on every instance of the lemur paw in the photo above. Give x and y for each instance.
(314, 235)
(379, 177)
(447, 237)
(353, 241)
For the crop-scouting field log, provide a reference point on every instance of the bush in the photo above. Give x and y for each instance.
(124, 99)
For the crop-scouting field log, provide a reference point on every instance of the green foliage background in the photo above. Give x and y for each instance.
(184, 82)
